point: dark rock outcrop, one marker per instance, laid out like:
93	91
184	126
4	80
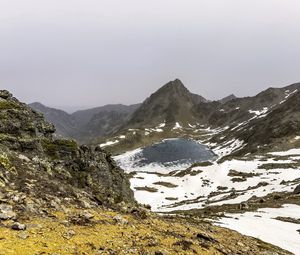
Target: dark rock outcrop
297	190
43	171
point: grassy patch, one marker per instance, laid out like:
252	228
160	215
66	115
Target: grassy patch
6	105
56	147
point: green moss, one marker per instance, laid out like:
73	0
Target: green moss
5	105
56	147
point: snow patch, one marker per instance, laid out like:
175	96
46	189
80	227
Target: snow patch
109	143
286	153
263	225
177	126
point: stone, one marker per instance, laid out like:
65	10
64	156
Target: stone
120	220
6	212
18	226
5	94
23	235
69	234
81	219
7	216
244	206
142	213
297	190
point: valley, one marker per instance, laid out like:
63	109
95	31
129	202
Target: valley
220	162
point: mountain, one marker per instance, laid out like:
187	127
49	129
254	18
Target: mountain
227	99
172	111
170	104
86	124
238	110
83	117
102	121
66	125
278	129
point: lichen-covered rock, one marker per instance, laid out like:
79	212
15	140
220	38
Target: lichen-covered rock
53	172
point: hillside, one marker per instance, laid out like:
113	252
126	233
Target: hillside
276	129
87	124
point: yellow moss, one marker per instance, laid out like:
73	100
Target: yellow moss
89	239
150	235
4	161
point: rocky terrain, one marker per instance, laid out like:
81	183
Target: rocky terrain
38	169
57	197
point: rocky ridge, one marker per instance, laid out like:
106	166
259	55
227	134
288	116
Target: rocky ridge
38	170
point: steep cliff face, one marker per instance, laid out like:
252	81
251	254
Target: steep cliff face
38	170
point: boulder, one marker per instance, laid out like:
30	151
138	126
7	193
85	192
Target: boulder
120	220
18	226
5	94
6	212
297	190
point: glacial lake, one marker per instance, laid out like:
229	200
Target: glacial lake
168	153
180	151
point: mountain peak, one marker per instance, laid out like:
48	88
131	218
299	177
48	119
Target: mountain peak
172	103
227	99
175	83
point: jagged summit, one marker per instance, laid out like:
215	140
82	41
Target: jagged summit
175	84
172	103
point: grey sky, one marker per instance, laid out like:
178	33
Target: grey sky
93	52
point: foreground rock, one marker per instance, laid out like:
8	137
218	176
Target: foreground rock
38	171
18	226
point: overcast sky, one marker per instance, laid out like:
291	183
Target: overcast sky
84	53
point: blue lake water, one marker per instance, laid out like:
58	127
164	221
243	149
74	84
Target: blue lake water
174	151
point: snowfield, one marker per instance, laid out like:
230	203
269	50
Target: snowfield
264	225
235	181
230	182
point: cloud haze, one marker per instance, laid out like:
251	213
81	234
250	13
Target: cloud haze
93	52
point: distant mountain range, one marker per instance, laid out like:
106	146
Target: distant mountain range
173	105
86	124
